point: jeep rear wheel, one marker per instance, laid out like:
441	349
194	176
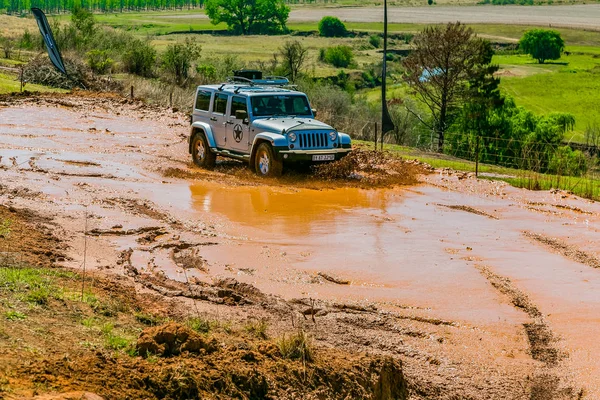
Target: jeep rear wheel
201	153
265	162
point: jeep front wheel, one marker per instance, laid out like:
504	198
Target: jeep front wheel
201	153
265	162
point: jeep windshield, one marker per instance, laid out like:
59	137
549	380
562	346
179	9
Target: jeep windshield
280	105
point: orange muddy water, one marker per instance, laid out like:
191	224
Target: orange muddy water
411	248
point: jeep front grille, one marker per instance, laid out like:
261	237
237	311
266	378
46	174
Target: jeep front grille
313	140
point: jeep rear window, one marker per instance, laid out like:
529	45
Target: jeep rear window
203	100
220	103
280	105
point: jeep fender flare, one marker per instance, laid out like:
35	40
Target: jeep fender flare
345	139
206	129
275	139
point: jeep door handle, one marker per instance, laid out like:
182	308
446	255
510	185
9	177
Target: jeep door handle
213	119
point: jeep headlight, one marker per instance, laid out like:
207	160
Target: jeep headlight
292	136
333	135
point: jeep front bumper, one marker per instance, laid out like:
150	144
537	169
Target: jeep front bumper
307	155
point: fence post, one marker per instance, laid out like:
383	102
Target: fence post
477	157
131	92
376	135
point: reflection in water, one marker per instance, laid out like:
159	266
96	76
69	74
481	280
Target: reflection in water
285	211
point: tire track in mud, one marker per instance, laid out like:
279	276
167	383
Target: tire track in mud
569	251
468	209
546	383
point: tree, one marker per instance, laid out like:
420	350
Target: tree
439	69
178	59
294	55
483	98
249	16
542	44
83	20
332	27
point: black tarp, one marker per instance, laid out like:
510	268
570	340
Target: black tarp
46	31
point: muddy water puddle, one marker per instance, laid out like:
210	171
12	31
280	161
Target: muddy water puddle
419	248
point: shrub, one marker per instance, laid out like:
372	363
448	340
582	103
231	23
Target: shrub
207	73
375	41
99	61
178	59
339	56
26	41
332	27
140	58
567	161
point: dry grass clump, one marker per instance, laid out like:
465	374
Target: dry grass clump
372	168
297	346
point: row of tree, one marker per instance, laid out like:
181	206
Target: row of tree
62	6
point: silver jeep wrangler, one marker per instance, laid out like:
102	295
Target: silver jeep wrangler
261	122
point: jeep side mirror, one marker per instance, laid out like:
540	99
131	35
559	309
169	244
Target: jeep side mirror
314	111
241	114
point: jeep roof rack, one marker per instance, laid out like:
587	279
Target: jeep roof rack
255	77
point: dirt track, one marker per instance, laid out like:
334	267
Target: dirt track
583	16
456	276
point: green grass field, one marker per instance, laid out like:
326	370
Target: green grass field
571	84
9	84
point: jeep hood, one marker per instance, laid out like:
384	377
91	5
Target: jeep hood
279	124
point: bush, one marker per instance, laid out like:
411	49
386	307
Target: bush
332	27
178	59
99	61
338	56
567	161
26	41
207	73
140	58
375	41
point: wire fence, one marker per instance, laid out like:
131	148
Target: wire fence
535	165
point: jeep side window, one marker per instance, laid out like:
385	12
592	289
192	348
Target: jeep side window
238	103
203	100
220	103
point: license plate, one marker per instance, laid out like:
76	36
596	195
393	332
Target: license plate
323	157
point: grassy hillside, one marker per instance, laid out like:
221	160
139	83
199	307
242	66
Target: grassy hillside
571	84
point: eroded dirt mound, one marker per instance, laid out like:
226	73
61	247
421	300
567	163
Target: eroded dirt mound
172	339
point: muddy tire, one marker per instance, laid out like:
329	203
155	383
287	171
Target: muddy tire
201	153
266	163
